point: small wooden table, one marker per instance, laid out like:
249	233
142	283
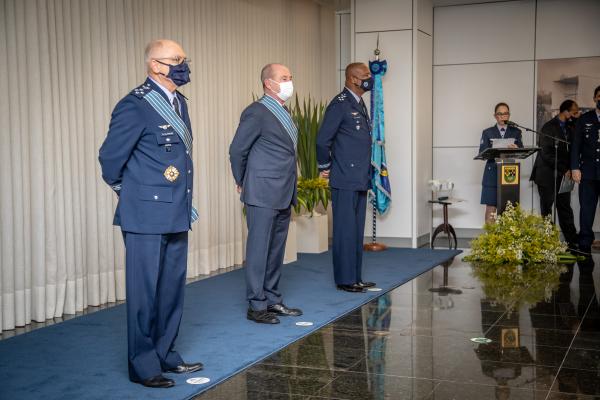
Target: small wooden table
445	226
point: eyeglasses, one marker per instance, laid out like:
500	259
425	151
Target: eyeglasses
176	60
505	114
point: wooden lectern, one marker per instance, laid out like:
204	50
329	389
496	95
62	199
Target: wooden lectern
509	172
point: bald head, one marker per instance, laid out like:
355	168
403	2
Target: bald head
162	49
271	76
273	71
355	73
160	55
355	69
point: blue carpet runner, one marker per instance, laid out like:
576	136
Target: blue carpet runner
86	357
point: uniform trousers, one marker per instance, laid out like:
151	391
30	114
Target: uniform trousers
155	281
349	212
265	249
589	190
564	211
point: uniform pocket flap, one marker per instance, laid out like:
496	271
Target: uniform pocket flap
155	193
167	137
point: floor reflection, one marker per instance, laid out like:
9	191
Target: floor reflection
412	343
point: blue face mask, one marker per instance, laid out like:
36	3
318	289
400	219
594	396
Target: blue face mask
367	84
179	73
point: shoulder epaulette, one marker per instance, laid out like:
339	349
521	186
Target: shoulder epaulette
341	97
141	90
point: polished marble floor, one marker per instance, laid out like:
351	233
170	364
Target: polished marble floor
537	336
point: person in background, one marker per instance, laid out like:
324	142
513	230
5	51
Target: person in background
499	131
543	170
585	170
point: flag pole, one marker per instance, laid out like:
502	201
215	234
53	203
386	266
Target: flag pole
374	245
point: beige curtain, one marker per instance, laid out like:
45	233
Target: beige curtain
64	65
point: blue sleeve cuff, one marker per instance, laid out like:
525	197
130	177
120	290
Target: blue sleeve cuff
324	166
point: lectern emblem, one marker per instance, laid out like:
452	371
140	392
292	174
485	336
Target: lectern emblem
510	175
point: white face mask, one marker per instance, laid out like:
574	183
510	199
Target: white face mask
286	90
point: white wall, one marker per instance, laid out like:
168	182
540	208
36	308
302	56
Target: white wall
397	49
486	53
423	140
407	47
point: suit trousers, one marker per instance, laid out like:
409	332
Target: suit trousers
155	281
589	190
349	212
564	211
265	249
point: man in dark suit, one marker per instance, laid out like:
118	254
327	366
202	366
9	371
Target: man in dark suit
344	148
146	159
585	167
263	162
489	180
543	170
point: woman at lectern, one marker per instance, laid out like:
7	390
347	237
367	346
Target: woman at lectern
498	131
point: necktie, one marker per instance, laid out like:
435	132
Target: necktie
502	132
176	106
364	108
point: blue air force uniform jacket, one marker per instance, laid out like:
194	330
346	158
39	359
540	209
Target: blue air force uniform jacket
140	157
489	174
344	144
585	148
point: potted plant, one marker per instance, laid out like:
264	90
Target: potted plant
313	191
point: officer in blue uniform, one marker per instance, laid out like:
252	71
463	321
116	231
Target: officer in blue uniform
146	158
585	166
344	156
490	179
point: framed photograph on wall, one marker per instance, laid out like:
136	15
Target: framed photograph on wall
562	79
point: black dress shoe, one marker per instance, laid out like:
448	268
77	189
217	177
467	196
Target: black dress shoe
262	317
158	381
281	309
354	288
366	284
185	368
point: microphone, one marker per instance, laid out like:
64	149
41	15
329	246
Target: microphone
512	124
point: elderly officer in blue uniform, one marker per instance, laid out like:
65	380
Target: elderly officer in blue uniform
344	156
263	163
498	131
146	159
585	166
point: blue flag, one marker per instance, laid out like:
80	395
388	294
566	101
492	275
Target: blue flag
381	192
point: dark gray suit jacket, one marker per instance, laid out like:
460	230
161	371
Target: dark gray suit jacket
263	160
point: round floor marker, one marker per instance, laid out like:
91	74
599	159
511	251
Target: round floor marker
374	289
481	340
200	380
304	323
